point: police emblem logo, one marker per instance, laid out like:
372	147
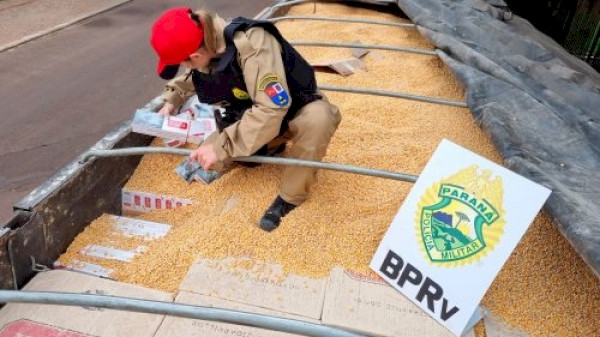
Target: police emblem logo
271	85
240	94
460	219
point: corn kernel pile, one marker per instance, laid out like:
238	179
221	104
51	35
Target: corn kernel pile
544	288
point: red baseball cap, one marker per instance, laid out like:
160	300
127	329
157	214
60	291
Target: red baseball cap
175	36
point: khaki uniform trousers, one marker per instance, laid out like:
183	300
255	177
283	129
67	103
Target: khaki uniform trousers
310	132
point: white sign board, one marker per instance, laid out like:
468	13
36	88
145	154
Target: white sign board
456	228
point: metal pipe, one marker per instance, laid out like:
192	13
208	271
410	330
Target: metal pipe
395	94
175	309
255	159
361	45
328	18
296	2
290	3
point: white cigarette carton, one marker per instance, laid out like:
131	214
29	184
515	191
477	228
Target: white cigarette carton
175	127
196	134
148	230
131	202
192	125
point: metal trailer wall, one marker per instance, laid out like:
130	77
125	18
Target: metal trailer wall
47	220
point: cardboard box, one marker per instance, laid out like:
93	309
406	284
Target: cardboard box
175	127
201	128
136	202
151	123
147	230
369	305
37	320
84	267
146	121
293	294
27	328
343	67
176	326
110	253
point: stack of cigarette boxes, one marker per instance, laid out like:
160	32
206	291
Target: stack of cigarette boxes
136	202
194	122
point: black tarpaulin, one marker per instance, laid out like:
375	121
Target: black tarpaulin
539	104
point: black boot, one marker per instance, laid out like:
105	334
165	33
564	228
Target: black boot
272	217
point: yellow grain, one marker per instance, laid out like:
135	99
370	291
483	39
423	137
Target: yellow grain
544	288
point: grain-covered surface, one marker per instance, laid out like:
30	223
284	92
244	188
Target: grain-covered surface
544	288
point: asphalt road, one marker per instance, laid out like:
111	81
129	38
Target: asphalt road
61	93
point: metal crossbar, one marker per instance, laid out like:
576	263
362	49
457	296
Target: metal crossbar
296	2
395	94
132	151
361	45
175	309
335	19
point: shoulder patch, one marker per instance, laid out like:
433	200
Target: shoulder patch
271	85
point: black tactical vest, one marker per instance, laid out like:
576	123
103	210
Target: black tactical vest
225	83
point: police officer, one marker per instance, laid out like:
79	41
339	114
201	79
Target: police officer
268	92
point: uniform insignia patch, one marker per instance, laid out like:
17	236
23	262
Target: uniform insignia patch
271	85
240	94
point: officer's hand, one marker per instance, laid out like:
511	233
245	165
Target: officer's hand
205	155
167	109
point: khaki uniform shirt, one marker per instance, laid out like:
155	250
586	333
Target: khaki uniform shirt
259	57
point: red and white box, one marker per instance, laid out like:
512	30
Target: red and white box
192	125
136	202
172	143
175	127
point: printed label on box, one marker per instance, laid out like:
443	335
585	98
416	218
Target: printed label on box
292	294
146	229
110	253
177	125
175	326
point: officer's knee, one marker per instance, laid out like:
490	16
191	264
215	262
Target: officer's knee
321	118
